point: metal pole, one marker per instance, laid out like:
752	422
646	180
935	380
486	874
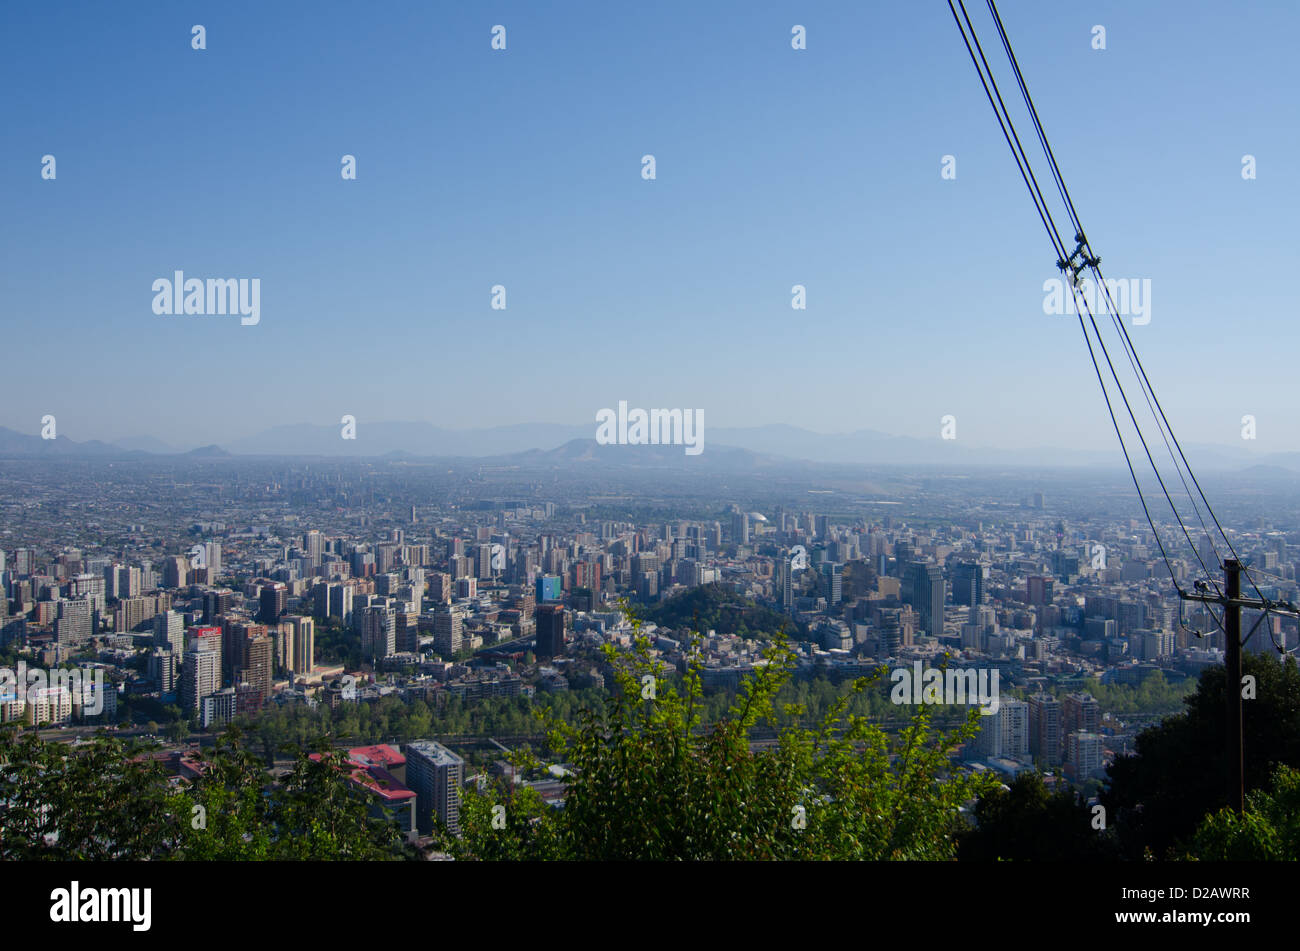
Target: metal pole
1232	686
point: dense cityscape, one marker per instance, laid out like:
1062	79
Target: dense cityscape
443	445
207	592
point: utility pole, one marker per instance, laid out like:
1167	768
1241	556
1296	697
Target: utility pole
1232	603
1232	685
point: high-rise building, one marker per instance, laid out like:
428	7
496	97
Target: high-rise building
313	545
304	645
1038	590
1045	729
284	645
834	573
131	613
256	667
483	561
234	632
435	774
163	670
273	602
363	564
176	572
200	673
1014	721
550	631
1080	712
1083	753
439	585
785	583
75	621
216	604
924	590
379	631
340	597
126	581
447	630
891	631
1006	732
25	561
386	556
218	708
740	528
548	588
169	632
970	583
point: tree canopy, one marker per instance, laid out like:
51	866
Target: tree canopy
648	780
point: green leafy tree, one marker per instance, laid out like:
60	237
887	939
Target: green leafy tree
1158	797
1026	822
1268	830
98	801
650	781
92	801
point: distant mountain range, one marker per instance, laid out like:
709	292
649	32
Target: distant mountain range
559	444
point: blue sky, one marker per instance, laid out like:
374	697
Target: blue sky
522	167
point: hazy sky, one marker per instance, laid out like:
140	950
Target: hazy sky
522	167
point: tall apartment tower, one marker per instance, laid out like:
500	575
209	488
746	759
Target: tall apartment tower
1038	590
201	673
169	632
1083	753
447	630
379	631
216	604
1080	712
162	669
925	591
785	583
550	631
970	583
1045	729
340	602
273	602
1005	733
834	573
212	552
313	545
256	663
435	774
304	645
1014	716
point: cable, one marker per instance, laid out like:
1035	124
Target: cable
1022	162
1129	348
1043	214
1092	261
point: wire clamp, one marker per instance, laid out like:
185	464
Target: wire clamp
1077	260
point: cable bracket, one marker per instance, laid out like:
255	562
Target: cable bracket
1078	260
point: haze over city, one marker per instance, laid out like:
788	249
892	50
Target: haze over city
441	440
